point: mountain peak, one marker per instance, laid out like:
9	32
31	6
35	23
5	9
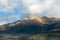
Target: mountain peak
43	20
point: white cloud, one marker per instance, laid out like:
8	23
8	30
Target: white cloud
5	20
8	5
3	23
51	7
37	6
54	10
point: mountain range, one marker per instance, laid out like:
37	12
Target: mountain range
31	25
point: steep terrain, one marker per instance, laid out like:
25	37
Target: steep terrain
32	25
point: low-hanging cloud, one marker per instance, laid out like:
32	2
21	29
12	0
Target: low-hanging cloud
8	19
50	7
37	6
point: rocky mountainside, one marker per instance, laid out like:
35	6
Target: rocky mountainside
33	25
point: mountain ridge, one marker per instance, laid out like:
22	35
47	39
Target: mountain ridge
34	25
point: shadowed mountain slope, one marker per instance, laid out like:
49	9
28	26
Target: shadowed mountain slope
31	26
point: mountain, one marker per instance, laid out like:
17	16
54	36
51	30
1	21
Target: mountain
43	20
32	24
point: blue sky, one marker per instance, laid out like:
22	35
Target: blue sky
13	10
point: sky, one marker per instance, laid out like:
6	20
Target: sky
13	10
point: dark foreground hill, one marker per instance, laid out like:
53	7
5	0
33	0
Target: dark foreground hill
32	26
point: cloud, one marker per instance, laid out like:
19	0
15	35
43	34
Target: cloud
3	23
5	20
50	7
8	5
37	6
54	10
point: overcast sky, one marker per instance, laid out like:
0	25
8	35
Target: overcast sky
13	10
